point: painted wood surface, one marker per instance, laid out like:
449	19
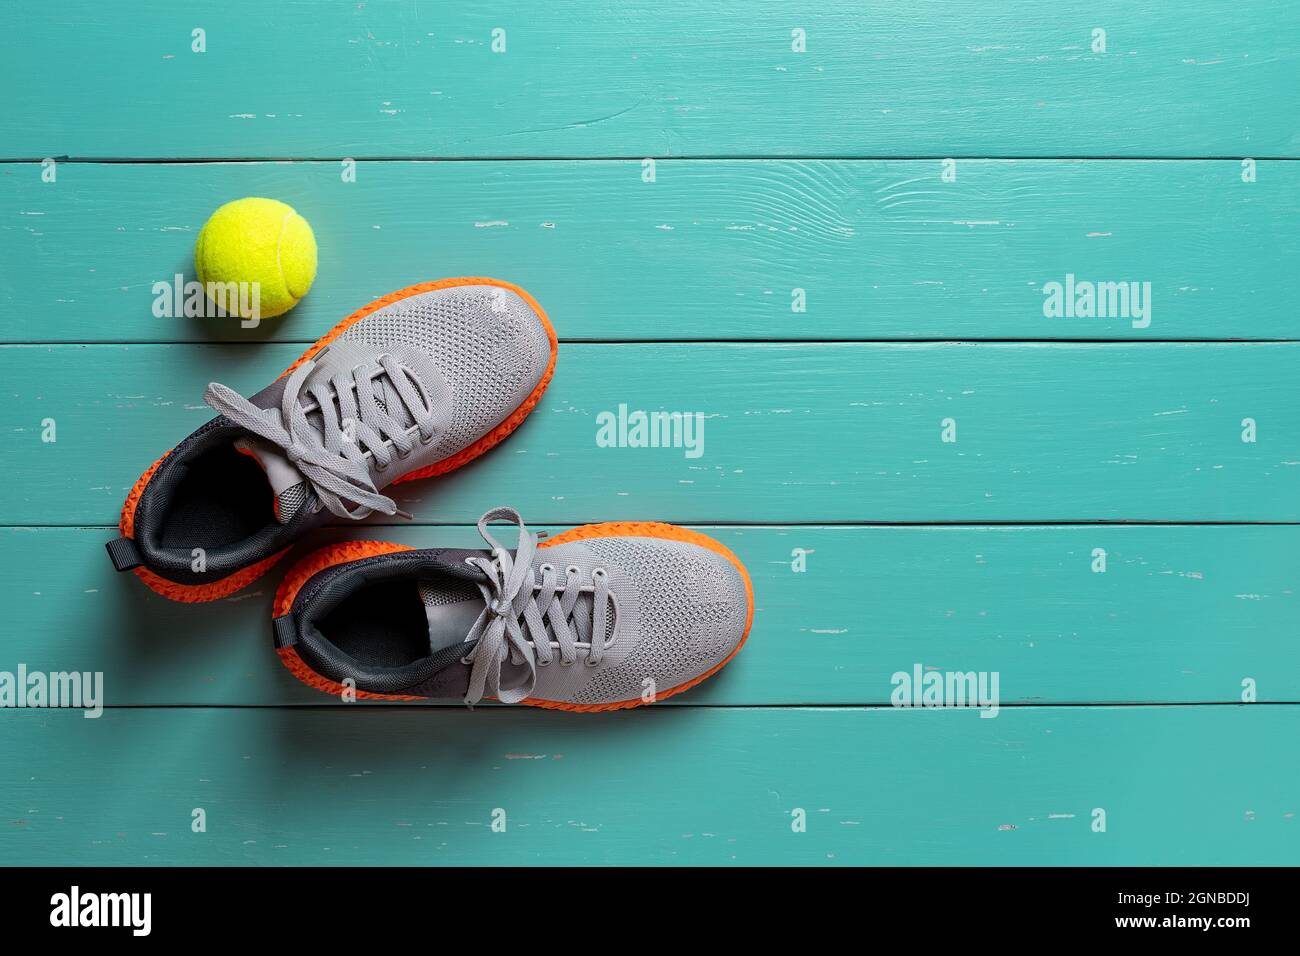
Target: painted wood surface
676	78
710	250
1065	614
790	434
1185	785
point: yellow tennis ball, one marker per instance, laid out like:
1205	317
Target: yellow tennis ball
263	244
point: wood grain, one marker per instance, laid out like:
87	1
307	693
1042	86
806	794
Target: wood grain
603	78
711	250
668	785
791	434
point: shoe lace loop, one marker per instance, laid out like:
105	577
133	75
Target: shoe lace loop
520	604
354	424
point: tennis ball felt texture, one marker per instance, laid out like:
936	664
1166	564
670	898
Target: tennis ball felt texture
262	241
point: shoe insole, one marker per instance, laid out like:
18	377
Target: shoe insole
382	625
222	500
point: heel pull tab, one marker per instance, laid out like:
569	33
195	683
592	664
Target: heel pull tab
285	628
124	554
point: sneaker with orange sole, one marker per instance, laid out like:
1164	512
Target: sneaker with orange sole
413	385
600	617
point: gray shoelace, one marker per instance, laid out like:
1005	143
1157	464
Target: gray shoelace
513	626
332	457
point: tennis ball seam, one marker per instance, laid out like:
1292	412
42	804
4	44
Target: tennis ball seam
279	244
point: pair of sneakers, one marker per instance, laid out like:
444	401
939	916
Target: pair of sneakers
414	385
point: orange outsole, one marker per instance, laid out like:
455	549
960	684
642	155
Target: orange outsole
212	591
346	551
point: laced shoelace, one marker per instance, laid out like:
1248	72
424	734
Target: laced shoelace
520	604
332	457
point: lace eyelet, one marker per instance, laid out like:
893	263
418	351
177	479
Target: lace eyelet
564	663
572	570
466	661
599	573
591	663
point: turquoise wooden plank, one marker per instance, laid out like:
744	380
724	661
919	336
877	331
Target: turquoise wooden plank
780	434
1181	614
596	77
711	250
673	786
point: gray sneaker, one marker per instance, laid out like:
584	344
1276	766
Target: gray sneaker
413	385
600	617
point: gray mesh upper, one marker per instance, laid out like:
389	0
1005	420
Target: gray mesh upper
681	610
444	591
485	340
290	501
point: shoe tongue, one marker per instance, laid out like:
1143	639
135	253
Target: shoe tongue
452	605
288	486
